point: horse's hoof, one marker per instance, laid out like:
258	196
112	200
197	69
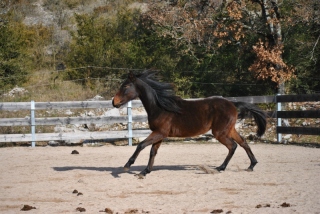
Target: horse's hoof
249	170
140	176
126	169
219	169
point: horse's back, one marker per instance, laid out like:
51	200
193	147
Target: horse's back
210	105
201	115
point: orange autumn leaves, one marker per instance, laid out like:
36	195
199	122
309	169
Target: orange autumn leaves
269	63
232	30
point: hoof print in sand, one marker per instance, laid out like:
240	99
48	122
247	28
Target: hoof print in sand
74	152
131	211
27	208
284	204
260	205
80	209
107	210
217	211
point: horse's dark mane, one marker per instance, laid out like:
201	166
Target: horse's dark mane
163	93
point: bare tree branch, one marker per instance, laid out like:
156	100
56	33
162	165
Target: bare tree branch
312	52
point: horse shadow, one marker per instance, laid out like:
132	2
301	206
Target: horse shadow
117	171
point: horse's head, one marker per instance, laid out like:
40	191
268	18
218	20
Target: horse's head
126	92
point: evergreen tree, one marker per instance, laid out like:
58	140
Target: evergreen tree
13	53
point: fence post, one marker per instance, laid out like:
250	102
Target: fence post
279	122
33	124
129	113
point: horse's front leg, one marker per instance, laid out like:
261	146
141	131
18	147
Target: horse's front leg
153	153
151	139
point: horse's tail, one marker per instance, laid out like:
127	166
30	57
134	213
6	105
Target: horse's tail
259	116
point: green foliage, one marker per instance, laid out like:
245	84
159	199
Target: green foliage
72	3
120	42
13	57
22	49
305	58
302	45
223	73
117	36
53	5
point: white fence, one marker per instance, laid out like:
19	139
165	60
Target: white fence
33	121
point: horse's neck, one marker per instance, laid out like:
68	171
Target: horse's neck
150	104
147	98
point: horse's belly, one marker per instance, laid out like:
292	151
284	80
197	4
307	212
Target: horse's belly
185	132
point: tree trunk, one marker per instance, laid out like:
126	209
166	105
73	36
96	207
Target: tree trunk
271	14
273	20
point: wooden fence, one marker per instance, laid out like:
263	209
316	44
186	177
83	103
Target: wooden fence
34	121
296	114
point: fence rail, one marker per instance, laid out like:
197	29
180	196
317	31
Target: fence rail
70	120
15	106
296	114
63	136
34	121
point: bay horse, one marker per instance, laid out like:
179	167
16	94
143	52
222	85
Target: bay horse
172	116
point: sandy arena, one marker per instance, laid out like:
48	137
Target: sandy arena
286	180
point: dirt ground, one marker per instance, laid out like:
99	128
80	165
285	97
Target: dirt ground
286	180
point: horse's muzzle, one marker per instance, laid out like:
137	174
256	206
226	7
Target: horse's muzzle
117	105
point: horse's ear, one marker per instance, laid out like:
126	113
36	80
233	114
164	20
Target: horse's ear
131	76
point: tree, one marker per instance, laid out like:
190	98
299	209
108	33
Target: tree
13	57
269	62
206	26
116	42
302	35
22	47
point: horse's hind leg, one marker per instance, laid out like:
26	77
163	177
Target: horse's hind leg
242	142
153	153
232	146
